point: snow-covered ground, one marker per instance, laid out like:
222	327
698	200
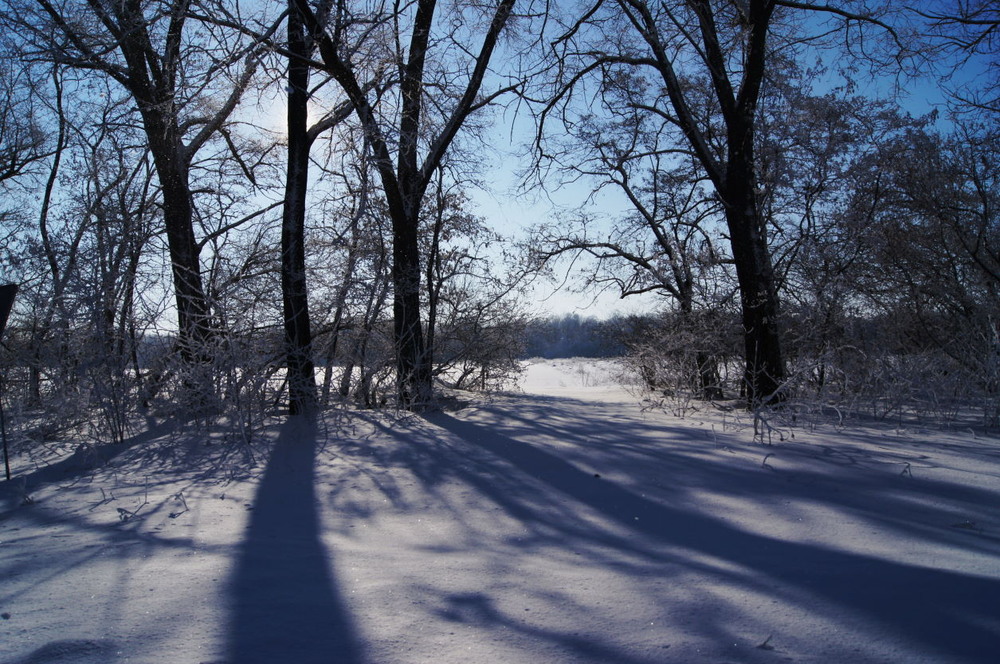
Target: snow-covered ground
558	523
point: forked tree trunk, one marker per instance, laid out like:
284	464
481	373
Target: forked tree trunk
404	178
734	177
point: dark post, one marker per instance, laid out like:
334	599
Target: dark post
7	293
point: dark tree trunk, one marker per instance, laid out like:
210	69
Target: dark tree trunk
705	372
194	324
765	370
193	317
154	88
764	374
142	46
708	376
298	335
413	374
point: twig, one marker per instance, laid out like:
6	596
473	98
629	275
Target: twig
104	499
125	515
180	497
766	645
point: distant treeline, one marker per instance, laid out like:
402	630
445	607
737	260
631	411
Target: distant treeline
573	336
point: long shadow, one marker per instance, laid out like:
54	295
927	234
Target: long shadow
285	603
949	613
886	498
81	463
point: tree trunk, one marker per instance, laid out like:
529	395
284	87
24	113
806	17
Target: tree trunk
413	375
765	370
193	318
298	334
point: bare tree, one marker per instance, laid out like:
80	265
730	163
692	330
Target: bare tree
411	133
22	141
185	92
968	32
81	259
704	64
667	243
943	196
816	152
298	329
349	256
475	332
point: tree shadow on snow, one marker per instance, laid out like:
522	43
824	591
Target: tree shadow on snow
946	612
73	650
85	460
285	602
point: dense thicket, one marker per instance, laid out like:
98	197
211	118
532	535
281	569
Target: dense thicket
219	209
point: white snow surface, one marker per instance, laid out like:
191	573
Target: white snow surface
561	522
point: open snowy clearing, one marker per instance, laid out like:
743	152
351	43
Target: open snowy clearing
561	523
